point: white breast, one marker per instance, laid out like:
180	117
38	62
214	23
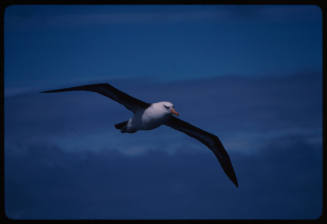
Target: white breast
153	117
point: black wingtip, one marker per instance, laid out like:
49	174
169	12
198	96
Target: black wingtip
84	87
59	90
225	161
53	91
232	177
236	184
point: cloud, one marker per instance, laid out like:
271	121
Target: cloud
47	182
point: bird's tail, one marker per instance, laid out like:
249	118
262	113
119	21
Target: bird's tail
121	126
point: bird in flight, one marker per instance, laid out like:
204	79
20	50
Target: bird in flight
148	116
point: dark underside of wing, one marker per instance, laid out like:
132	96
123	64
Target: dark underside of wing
108	90
210	140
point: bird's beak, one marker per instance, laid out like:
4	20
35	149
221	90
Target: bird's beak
173	111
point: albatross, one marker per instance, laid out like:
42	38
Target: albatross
147	116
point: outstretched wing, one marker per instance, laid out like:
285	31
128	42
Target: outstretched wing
107	90
210	140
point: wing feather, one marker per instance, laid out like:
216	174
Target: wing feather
210	140
131	103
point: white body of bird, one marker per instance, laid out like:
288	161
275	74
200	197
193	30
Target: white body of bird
150	118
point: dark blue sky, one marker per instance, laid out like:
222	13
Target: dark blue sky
56	44
252	75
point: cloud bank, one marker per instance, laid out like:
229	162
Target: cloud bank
283	182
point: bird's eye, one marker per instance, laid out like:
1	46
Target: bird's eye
167	107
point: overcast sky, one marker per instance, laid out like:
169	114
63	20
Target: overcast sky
252	75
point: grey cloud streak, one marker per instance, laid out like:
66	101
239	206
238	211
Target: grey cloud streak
49	183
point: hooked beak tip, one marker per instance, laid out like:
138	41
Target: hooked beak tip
173	111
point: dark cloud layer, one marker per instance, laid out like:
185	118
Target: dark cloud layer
271	127
283	182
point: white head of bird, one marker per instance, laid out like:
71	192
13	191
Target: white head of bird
166	108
